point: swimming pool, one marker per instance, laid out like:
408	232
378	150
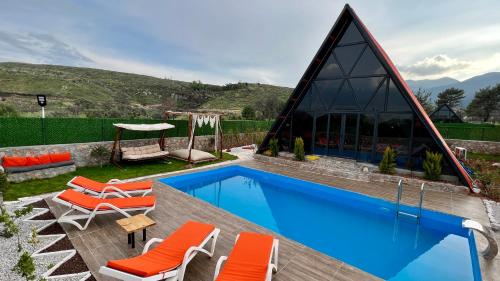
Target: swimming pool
357	229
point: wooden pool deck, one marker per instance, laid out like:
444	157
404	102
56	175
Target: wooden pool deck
104	240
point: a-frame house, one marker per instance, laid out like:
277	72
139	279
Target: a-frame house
352	102
445	114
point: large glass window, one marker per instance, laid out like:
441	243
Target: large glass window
331	70
345	99
327	92
365	88
394	130
348	55
395	100
368	64
351	35
365	140
302	126
321	136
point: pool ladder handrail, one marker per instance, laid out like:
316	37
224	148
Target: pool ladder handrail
420	203
492	249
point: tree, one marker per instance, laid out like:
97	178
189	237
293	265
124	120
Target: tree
451	97
8	111
485	102
248	112
424	97
269	106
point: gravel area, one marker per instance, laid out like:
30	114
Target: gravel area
50	256
493	210
47	261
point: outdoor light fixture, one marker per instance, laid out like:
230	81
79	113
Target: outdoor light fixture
42	101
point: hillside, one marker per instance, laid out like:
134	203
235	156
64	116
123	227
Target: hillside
74	91
470	86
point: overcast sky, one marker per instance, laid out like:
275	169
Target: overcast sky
221	41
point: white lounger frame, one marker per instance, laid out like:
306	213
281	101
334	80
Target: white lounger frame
108	189
90	214
272	266
171	275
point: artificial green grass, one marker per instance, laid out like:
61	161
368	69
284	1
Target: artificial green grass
105	173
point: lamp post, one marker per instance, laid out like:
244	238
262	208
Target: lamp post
42	101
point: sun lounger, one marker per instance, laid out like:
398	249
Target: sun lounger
87	185
254	258
169	259
89	206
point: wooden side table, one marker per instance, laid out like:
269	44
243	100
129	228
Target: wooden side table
133	224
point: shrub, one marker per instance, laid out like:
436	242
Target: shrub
25	266
388	163
4	184
432	165
273	146
100	153
298	149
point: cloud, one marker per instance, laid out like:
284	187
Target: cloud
440	65
39	48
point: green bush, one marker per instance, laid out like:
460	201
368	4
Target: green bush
273	147
432	165
25	266
100	153
388	163
298	149
4	184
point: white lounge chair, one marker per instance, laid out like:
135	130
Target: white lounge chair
254	257
168	261
87	185
89	206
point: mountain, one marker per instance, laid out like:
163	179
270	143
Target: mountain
429	83
76	91
470	86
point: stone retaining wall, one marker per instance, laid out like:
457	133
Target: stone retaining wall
41	174
350	169
80	152
490	147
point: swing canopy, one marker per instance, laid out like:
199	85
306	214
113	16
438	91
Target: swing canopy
145	127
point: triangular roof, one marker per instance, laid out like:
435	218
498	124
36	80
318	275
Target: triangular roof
322	56
434	115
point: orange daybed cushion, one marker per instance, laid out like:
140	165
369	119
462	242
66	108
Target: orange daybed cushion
44	159
89	202
168	254
87	183
249	259
60	157
14	161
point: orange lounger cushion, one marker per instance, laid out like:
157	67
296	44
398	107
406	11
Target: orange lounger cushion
96	186
168	254
249	259
89	202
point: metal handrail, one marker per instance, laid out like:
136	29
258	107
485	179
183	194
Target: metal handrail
421	201
398	201
398	196
492	249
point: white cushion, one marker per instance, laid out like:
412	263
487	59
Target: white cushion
196	155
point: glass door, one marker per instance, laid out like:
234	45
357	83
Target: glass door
321	135
334	141
349	134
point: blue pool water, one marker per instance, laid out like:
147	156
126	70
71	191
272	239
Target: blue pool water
357	229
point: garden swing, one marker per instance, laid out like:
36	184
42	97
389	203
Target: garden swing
139	153
191	155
